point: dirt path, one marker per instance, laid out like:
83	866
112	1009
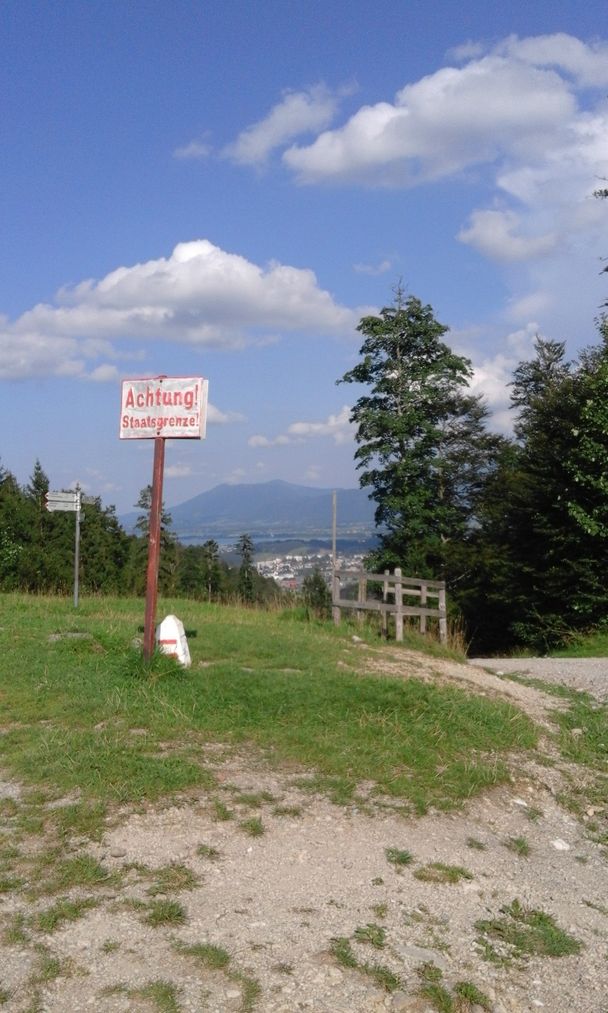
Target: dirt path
269	915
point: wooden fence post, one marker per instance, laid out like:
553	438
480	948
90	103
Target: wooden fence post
361	596
385	602
443	619
398	605
423	604
335	597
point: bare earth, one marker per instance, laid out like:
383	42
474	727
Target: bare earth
319	872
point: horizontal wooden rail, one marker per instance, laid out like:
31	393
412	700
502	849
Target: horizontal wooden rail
397	586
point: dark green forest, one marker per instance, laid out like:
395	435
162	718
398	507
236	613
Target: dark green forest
37	551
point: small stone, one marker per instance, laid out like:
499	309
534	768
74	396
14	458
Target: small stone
560	845
576	732
117	853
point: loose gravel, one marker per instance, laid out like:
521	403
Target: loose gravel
276	903
587	674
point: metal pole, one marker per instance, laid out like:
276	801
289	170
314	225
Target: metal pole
334	514
77	548
154	546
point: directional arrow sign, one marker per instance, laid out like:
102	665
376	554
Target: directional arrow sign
53	504
62	497
63	501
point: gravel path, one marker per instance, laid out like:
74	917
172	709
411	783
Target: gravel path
588	674
320	880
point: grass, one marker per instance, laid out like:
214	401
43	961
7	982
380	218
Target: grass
519	845
438	872
371	933
208	851
522	932
398	856
164	912
253	827
62	911
163	994
172	878
70	706
588	645
342	951
209	956
52	874
216	958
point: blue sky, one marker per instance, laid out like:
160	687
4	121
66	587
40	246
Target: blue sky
224	188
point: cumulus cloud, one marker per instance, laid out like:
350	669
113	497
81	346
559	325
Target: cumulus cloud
200	295
528	115
495	106
298	112
338	427
496	234
493	375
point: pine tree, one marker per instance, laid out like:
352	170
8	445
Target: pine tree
422	446
246	581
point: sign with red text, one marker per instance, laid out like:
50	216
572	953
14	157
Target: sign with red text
174	407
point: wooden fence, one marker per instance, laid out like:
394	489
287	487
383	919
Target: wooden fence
395	588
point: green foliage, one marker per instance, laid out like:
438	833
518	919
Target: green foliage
244	548
422	447
316	594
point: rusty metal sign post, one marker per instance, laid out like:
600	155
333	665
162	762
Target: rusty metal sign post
160	408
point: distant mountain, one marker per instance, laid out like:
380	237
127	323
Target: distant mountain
268	508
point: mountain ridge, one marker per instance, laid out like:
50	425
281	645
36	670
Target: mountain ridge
270	508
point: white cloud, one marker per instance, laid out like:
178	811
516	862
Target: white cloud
178	471
337	427
493	107
297	113
103	374
373	270
196	150
219	418
201	296
493	375
496	234
586	62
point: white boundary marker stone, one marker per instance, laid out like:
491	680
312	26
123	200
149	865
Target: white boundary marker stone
171	640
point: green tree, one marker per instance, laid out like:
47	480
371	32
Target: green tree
423	450
211	570
167	569
247	572
316	594
555	521
12	529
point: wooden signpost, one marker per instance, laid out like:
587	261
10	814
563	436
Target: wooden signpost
160	408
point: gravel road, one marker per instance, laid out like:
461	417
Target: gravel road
588	674
257	923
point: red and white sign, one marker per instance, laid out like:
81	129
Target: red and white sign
171	406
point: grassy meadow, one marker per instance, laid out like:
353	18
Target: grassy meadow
79	711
